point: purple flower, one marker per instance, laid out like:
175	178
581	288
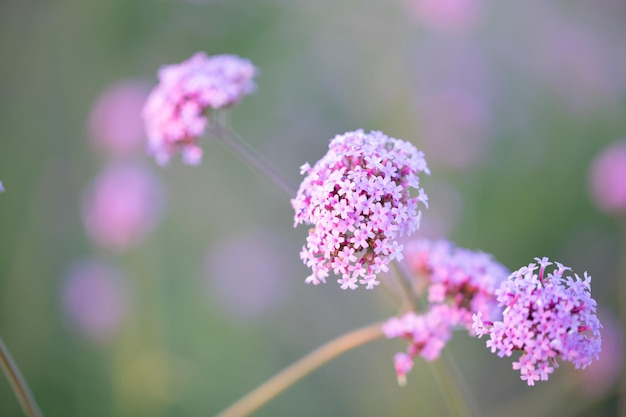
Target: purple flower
96	299
608	179
115	124
122	206
1	187
175	112
458	282
546	315
358	198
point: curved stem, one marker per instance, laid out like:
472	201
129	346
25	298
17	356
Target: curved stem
20	388
252	157
290	375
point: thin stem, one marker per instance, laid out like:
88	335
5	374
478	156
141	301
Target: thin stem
404	277
304	366
20	388
252	157
457	405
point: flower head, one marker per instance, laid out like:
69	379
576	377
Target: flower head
608	179
115	124
122	206
96	297
548	313
174	113
358	198
458	283
1	187
463	279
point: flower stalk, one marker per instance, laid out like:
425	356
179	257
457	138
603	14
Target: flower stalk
307	364
18	383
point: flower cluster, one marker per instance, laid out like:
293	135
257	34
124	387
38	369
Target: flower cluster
459	283
465	280
547	315
174	113
358	197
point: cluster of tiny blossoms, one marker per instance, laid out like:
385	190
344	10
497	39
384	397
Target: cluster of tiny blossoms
358	198
547	315
459	283
174	113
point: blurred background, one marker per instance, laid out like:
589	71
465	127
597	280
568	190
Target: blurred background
127	289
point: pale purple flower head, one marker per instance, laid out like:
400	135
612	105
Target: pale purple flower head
246	275
548	313
358	198
175	112
603	374
608	179
122	206
458	283
115	124
463	279
96	299
447	15
1	187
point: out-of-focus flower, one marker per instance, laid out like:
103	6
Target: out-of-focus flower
175	112
251	261
1	187
454	127
463	279
96	299
447	16
546	316
122	206
607	179
601	375
592	80
115	124
358	198
458	283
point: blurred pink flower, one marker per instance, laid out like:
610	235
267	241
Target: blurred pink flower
459	283
601	375
122	206
96	299
454	127
607	179
581	67
115	124
175	112
446	15
246	274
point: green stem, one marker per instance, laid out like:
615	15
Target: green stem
446	373
290	375
20	388
252	157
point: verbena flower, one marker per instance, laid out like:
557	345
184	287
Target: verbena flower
607	179
463	279
122	206
546	315
175	112
458	283
360	198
